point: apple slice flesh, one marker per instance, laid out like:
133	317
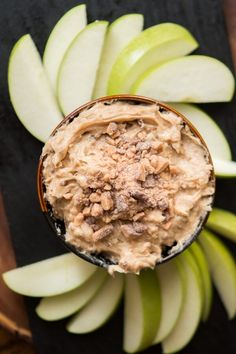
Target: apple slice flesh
191	310
223	222
194	78
119	34
209	130
154	45
100	308
201	261
78	70
224	169
171	279
30	91
60	38
49	277
53	308
223	270
142	310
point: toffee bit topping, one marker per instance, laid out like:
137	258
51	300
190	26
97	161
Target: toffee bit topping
141	172
106	201
96	210
150	182
143	145
121	203
107	187
129	231
79	219
102	233
95	198
90	220
138	216
135	229
157	145
139	195
139	227
87	211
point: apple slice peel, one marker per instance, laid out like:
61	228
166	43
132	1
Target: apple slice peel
119	34
154	45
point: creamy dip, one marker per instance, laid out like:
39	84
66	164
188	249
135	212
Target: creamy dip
129	181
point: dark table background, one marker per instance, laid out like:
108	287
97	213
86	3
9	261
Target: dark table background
19	152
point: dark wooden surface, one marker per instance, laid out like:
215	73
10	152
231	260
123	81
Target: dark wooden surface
11	344
32	239
12	310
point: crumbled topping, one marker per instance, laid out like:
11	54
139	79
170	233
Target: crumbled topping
103	232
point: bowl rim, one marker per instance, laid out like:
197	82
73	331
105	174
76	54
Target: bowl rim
120	97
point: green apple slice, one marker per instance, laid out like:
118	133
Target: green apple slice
100	308
142	310
119	34
194	78
191	310
30	91
223	222
224	169
154	45
53	308
209	130
172	282
223	270
201	261
60	38
78	70
49	277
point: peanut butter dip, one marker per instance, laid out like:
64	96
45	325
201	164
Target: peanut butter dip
129	181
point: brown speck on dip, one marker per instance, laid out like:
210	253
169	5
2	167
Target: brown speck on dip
129	181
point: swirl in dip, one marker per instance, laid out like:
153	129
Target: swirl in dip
130	181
